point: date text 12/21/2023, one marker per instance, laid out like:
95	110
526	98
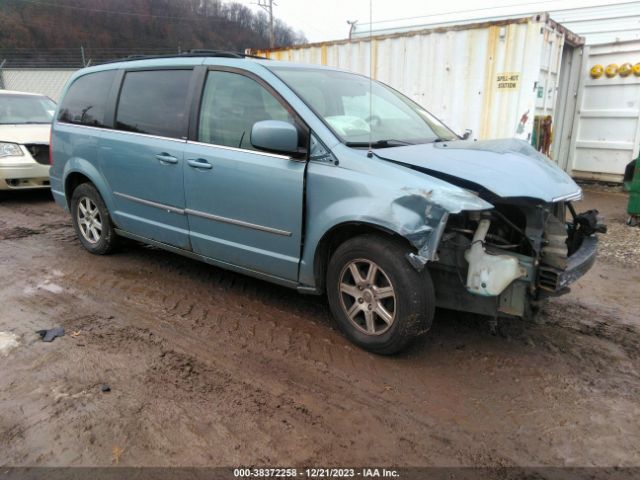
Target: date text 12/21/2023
315	473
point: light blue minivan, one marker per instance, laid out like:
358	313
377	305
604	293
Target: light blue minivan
320	180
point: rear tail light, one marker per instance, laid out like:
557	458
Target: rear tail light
50	146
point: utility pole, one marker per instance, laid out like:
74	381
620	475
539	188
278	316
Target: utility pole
1	79
352	26
267	6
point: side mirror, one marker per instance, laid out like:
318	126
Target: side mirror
467	134
275	136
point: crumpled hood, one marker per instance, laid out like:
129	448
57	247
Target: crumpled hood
34	133
508	168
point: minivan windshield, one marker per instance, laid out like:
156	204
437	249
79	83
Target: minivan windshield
359	111
26	109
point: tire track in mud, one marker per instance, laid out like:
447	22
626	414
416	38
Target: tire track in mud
281	344
177	378
20	220
173	376
231	309
207	296
593	322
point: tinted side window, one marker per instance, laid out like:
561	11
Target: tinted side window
231	104
154	102
86	99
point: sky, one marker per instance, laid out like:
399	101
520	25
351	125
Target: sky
323	20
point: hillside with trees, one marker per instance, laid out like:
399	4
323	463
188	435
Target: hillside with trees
37	28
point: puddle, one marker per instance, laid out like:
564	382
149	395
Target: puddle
58	394
51	287
8	341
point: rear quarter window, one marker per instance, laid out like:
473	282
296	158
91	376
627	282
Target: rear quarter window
154	102
86	100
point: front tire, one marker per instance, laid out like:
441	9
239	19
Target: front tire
380	301
91	220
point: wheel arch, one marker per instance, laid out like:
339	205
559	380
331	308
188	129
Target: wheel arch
71	182
78	171
338	234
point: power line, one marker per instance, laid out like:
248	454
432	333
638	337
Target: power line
306	25
267	6
464	11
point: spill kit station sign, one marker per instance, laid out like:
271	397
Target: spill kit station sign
508	80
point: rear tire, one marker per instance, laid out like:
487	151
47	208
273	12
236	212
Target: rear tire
91	220
380	301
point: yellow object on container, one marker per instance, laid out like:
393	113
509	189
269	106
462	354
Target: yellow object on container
611	70
636	69
597	71
625	69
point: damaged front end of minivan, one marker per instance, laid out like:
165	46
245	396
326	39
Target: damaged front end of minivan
503	261
504	258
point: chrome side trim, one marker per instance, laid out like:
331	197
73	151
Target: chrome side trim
240	223
146	135
179	140
115	130
208	216
236	149
149	203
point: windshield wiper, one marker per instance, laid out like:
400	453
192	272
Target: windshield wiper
379	143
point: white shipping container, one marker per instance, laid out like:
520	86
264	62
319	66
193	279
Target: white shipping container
607	120
490	77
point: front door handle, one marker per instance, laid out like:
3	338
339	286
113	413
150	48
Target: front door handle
166	158
199	163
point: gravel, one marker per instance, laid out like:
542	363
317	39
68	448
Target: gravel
621	244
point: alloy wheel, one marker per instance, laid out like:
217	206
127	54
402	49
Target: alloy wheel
367	296
89	220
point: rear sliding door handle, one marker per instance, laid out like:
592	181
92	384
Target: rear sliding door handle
199	163
166	158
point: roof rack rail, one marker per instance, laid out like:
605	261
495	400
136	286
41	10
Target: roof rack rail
213	53
196	52
222	53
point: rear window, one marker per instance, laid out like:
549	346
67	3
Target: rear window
154	102
86	99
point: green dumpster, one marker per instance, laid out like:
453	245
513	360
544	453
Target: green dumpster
632	185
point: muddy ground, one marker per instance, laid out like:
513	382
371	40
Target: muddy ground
208	367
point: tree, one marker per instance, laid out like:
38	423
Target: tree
132	26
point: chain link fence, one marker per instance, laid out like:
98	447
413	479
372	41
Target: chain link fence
46	81
72	57
46	71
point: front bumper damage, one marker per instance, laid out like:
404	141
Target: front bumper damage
474	273
580	262
582	245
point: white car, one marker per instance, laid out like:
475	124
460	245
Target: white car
25	125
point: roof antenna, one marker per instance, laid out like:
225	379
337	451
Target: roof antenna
370	152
